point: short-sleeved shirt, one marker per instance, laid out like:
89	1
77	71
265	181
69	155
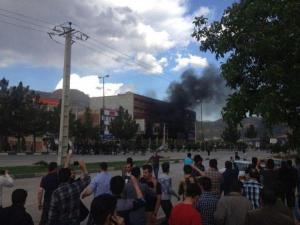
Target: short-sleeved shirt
188	161
155	160
184	214
49	183
137	216
151	200
100	184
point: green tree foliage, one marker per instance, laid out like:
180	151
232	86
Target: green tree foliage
251	132
123	126
231	134
4	114
260	44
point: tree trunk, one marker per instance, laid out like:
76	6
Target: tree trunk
34	143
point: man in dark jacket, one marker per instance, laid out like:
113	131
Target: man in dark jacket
16	214
229	176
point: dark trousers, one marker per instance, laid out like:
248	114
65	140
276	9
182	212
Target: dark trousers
288	196
167	207
44	216
156	169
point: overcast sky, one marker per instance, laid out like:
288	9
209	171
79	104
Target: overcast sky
142	44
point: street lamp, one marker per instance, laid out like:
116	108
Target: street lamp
103	100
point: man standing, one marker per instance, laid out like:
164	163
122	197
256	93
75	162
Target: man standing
65	201
232	209
207	202
48	184
185	213
100	184
152	202
229	175
214	175
268	214
252	188
16	214
5	181
155	163
166	186
188	159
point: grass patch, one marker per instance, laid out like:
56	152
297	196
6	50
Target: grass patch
40	169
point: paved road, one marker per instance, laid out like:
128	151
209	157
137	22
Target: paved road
31	184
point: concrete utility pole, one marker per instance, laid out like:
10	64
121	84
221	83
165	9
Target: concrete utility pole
70	34
103	101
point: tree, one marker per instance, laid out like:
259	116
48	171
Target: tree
22	102
123	127
231	134
4	114
251	132
260	42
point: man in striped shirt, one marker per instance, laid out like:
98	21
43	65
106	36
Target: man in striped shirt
252	188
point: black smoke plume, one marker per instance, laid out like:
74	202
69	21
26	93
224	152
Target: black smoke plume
208	88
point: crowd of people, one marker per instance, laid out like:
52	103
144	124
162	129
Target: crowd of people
266	195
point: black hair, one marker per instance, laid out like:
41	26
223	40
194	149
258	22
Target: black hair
270	164
205	183
268	196
254	161
52	166
102	206
192	190
64	175
136	172
117	184
289	163
213	163
165	167
18	197
103	166
129	160
187	169
228	165
197	159
235	186
148	167
189	155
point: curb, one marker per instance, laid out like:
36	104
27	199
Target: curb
33	175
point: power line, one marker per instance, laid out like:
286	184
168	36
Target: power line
96	48
29	17
24	21
23	27
95	45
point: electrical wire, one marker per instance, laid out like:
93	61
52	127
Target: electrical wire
25	16
24	27
95	45
24	21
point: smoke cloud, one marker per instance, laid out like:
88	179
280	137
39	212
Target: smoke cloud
208	88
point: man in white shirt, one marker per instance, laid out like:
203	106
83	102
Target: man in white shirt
5	181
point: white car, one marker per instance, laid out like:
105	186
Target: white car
241	165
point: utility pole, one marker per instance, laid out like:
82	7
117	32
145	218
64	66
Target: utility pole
103	102
70	34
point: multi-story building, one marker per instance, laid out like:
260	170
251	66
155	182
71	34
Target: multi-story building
152	115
